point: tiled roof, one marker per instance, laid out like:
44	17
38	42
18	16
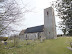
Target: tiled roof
35	29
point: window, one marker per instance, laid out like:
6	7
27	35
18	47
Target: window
47	13
49	32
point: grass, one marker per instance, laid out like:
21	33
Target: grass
52	46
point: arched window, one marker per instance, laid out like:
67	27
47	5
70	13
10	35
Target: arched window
49	32
47	13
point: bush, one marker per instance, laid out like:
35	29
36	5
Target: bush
3	38
59	35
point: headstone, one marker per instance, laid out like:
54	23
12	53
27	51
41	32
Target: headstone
2	41
11	41
41	40
49	23
71	44
5	43
69	48
33	39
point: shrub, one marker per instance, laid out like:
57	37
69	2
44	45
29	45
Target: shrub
3	38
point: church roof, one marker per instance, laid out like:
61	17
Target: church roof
35	29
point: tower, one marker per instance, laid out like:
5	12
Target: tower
49	23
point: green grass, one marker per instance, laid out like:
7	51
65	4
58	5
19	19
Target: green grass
52	46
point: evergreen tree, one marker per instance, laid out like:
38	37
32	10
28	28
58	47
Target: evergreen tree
64	9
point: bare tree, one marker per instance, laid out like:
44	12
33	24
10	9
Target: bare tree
1	0
10	13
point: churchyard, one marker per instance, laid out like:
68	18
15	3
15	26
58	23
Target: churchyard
50	46
41	39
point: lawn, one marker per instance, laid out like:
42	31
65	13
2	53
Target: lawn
52	46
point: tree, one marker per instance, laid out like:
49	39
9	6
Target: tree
1	0
10	13
64	9
64	31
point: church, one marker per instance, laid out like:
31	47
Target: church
46	31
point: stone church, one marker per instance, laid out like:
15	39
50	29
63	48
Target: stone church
47	31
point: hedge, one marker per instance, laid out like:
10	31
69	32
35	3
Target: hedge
3	38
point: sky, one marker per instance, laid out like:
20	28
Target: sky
36	16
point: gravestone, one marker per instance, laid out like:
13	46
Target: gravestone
49	23
69	48
2	41
5	43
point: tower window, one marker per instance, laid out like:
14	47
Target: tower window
49	32
47	13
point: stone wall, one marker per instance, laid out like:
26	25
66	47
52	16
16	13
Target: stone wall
31	36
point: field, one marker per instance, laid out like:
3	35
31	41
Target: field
52	46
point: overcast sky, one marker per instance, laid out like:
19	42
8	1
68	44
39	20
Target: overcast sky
36	17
